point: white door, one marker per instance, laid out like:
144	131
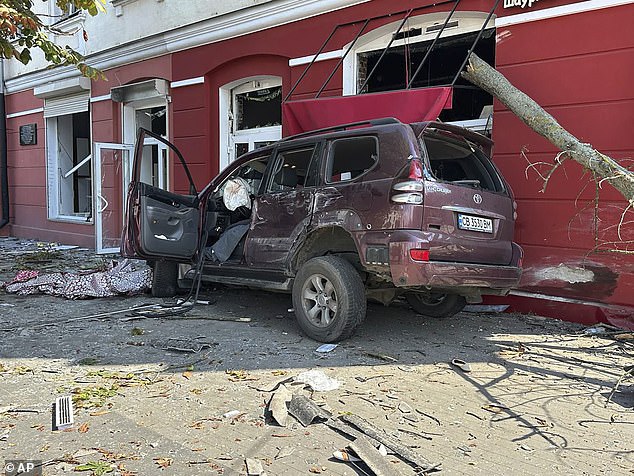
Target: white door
112	170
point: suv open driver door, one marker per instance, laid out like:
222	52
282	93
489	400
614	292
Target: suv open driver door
159	224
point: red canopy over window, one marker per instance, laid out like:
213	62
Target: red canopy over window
409	105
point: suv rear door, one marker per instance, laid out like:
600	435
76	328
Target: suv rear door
468	207
159	224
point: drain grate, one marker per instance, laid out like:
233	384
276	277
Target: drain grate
63	413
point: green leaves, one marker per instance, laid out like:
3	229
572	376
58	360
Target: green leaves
98	468
22	30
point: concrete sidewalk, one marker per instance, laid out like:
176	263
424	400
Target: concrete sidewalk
535	400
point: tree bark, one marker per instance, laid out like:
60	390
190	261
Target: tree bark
534	116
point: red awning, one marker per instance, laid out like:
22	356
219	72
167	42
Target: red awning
410	105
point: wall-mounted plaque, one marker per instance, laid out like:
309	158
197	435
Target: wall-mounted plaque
28	134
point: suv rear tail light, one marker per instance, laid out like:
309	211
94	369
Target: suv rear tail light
413	187
409	186
413	198
419	255
415	169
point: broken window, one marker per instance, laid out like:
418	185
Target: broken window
155	170
350	158
259	108
453	159
254	110
292	169
69	165
397	67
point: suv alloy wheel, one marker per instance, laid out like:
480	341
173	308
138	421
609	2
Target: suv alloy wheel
329	298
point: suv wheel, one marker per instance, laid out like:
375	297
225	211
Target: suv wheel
165	279
436	304
329	298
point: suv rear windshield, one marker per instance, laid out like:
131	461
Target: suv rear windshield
453	159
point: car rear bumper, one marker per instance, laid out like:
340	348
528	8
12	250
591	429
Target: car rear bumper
451	275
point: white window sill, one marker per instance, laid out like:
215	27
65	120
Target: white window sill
72	219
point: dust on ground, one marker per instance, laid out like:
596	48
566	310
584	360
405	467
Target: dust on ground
188	394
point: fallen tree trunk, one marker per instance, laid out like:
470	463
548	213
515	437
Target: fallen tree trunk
532	114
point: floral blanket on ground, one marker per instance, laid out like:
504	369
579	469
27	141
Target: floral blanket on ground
122	278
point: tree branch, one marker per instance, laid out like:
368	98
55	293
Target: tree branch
532	114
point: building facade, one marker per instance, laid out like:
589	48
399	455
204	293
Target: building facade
213	76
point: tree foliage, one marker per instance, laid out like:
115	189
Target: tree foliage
22	30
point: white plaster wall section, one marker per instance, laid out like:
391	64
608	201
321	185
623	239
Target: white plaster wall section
565	273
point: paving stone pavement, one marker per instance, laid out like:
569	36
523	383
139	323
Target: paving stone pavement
534	402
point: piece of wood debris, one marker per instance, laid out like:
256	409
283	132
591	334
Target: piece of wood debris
391	443
384	357
371	457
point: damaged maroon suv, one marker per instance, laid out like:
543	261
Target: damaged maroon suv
373	210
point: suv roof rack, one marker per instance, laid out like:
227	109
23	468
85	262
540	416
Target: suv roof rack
342	127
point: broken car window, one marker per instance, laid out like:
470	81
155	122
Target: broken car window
457	161
291	170
351	157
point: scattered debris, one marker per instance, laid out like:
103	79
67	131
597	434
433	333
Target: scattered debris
628	371
343	455
391	443
306	410
491	308
254	467
63	417
163	462
182	345
512	352
404	408
461	364
365	379
419	435
278	405
93	397
239	376
325	348
494	408
318	381
98	468
232	414
372	458
384	357
284	451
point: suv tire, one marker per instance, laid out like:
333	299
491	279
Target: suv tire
436	305
329	299
165	279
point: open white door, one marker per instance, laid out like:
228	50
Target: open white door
113	169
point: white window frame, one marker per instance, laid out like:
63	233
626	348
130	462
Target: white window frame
55	174
227	135
379	38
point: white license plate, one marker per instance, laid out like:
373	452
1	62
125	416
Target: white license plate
471	223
